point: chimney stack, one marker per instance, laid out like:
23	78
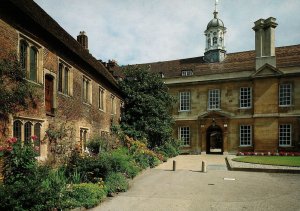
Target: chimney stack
83	40
265	41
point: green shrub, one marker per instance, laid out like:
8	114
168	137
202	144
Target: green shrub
169	149
116	182
119	161
84	195
96	144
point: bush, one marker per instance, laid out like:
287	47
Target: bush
119	161
96	144
169	149
84	195
116	182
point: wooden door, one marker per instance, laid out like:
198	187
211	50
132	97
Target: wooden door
48	93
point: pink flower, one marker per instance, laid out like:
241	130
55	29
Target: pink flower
9	148
34	137
1	148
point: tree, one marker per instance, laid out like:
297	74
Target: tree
146	113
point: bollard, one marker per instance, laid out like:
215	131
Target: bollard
204	167
174	165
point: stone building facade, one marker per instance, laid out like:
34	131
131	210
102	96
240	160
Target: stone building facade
74	89
244	101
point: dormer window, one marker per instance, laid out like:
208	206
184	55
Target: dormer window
186	72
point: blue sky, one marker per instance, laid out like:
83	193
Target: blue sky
140	31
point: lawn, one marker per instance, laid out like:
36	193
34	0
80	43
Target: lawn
271	160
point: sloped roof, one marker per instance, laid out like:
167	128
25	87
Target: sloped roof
29	10
234	62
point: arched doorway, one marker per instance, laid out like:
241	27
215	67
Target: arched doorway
214	140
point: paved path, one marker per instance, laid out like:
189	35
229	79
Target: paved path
160	189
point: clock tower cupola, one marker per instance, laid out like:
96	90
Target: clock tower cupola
215	50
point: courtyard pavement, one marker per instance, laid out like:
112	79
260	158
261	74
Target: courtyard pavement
161	189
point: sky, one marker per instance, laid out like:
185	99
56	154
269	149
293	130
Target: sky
141	31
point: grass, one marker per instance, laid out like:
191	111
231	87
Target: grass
271	160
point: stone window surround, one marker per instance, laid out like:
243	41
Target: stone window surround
70	78
214	99
184	101
184	132
113	104
282	90
245	132
285	132
87	90
82	139
31	43
248	101
101	98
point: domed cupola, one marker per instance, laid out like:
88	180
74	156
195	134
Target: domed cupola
215	50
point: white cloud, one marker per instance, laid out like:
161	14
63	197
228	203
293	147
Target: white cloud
138	31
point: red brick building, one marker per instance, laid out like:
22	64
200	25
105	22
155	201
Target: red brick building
75	90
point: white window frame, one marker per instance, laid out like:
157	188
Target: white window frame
184	134
285	94
285	135
214	99
185	101
245	97
186	72
245	135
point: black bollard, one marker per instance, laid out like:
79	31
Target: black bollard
174	165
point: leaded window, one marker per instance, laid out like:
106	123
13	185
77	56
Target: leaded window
285	135
285	94
184	135
245	135
27	132
185	101
33	64
214	99
245	97
17	130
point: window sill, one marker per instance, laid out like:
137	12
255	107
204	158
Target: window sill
245	146
102	110
63	94
245	108
214	109
285	106
286	146
182	111
88	104
33	82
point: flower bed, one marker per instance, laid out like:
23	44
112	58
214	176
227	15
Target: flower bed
282	153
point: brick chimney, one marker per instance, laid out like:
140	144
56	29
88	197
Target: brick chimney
265	41
83	39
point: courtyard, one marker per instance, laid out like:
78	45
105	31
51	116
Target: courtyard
219	189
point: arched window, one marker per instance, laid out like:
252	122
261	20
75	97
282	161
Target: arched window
215	40
27	132
37	133
33	64
221	40
66	81
60	75
208	42
23	54
17	130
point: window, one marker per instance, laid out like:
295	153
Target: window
186	72
184	135
87	89
245	135
64	78
215	40
101	98
245	97
27	132
83	138
214	99
285	94
17	130
29	58
113	105
185	101
37	133
23	54
285	135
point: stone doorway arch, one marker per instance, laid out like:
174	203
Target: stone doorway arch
214	140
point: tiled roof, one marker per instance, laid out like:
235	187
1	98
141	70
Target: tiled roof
234	62
29	10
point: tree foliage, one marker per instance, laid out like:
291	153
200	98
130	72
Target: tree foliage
147	106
